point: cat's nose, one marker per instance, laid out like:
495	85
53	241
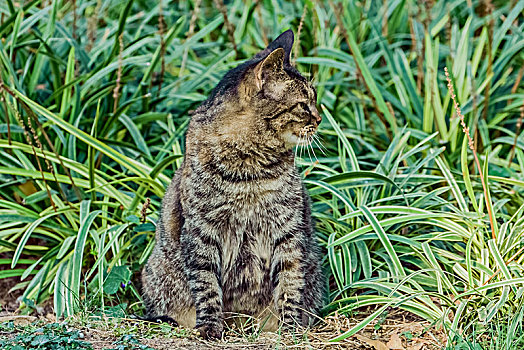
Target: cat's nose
316	118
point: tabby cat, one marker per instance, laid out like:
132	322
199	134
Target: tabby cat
235	233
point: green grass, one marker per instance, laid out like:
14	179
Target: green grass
95	106
82	332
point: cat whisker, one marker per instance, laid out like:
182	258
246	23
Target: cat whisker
297	148
319	144
322	147
301	144
310	144
295	154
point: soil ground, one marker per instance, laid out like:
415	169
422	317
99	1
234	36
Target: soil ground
394	331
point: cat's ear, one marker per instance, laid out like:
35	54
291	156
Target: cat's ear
285	41
274	62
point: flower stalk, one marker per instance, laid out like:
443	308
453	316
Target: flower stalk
471	145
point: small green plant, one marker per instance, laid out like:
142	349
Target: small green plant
381	319
408	335
129	342
52	336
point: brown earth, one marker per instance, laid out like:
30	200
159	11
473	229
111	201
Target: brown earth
398	331
394	330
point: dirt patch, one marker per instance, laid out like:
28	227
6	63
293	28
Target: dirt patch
396	330
186	344
8	297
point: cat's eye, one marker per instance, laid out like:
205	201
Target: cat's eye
305	107
302	105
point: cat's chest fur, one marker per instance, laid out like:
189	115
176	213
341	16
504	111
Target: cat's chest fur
249	230
250	218
247	246
247	217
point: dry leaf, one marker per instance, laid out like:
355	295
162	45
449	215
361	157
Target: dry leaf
395	343
378	345
414	328
417	344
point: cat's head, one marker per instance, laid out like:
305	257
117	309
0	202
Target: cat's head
268	97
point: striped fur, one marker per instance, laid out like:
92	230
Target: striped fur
235	233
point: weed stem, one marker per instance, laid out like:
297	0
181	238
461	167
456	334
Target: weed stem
471	145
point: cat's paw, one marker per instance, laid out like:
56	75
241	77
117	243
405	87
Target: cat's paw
211	330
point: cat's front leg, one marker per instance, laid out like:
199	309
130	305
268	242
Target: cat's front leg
201	252
287	276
